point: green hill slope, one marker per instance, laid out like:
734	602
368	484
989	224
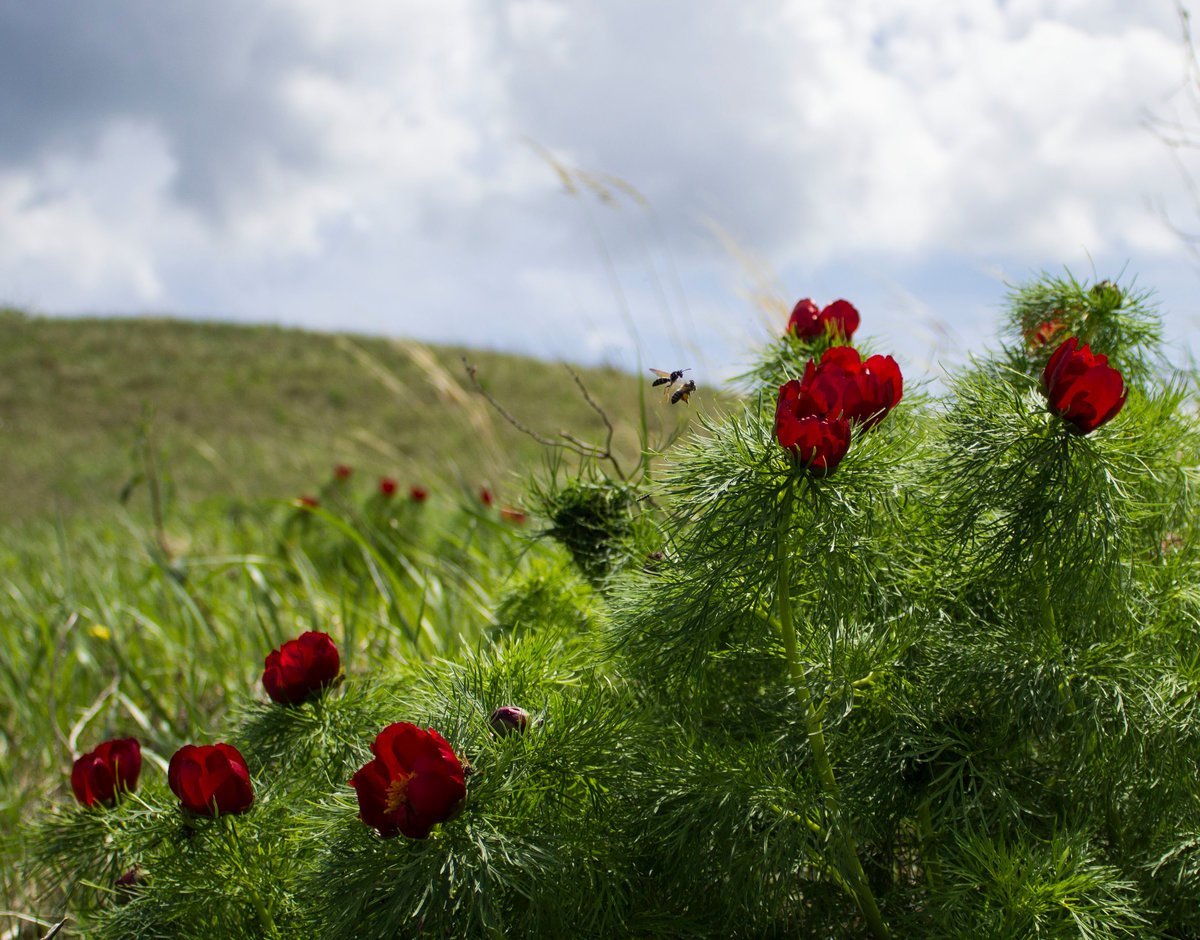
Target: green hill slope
254	412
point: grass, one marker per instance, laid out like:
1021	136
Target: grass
114	622
252	412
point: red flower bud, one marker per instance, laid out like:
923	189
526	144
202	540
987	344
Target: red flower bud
306	503
808	322
805	320
387	487
485	496
844	317
301	668
1082	388
509	718
210	779
414	782
105	771
514	515
418	494
1040	335
343	472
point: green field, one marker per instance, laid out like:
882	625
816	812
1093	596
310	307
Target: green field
151	551
250	412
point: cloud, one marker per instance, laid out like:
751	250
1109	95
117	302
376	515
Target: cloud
366	165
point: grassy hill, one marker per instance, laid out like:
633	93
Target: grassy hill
254	412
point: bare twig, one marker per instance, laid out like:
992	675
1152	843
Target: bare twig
587	396
568	441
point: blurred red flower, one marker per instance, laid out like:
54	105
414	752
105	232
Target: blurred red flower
387	487
485	496
808	322
417	493
514	515
301	668
1081	387
210	779
308	502
108	769
414	782
1041	334
343	471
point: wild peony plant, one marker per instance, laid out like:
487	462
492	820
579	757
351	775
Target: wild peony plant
856	663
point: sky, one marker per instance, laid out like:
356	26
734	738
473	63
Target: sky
598	180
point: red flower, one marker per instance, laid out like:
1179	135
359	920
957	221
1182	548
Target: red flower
418	494
843	385
819	443
808	322
805	320
210	779
485	496
514	515
414	782
1082	388
1040	335
306	503
111	767
387	487
300	668
343	472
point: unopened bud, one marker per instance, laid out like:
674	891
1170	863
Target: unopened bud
509	718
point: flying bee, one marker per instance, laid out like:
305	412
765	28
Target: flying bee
685	391
667	378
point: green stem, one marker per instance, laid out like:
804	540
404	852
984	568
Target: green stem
234	840
933	873
851	866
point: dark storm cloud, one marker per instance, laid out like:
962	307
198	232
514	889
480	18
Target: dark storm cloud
206	75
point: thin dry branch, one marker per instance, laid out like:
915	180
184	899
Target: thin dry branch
566	441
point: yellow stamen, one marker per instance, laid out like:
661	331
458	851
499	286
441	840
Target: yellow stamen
397	792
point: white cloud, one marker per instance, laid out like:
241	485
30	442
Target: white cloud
377	175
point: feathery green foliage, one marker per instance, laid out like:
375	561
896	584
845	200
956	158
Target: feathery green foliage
949	689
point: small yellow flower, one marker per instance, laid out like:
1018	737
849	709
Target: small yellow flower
100	632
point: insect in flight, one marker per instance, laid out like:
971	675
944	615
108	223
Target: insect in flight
685	391
667	378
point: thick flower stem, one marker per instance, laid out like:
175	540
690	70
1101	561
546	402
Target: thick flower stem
850	867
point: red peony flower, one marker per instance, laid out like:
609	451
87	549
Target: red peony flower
808	322
819	443
414	782
210	779
805	320
387	487
301	668
485	496
843	385
107	770
844	317
418	494
343	472
1082	388
514	515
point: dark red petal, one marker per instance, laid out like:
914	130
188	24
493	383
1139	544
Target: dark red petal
843	315
805	320
1055	363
